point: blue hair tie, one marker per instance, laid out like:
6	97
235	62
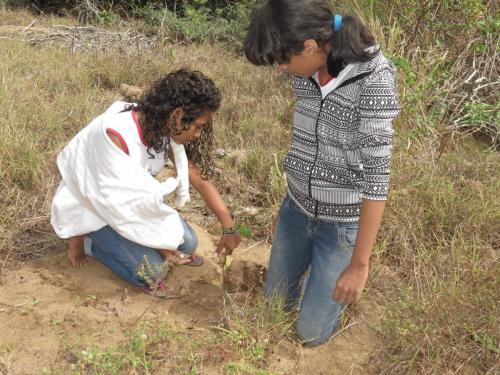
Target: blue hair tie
337	22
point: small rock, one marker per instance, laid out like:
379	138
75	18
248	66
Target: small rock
252	211
220	152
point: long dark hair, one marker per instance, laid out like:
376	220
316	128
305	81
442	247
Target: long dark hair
279	28
195	94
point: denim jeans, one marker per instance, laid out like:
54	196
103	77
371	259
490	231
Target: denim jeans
302	244
126	258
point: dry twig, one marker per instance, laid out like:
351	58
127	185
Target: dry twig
81	38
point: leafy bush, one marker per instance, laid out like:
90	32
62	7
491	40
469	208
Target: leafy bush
190	20
198	22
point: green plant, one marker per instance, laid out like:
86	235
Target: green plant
200	22
244	230
152	273
256	326
133	354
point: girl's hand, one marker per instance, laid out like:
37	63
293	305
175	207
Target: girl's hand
350	284
227	244
175	257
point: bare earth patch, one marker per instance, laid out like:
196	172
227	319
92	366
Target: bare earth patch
50	311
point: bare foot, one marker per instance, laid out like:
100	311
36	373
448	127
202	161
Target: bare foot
76	255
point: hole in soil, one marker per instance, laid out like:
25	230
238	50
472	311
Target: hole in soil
244	276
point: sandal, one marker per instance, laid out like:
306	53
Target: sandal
196	261
161	290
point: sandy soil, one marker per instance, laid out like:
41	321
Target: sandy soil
48	307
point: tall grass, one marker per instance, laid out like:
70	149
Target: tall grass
440	232
440	236
48	94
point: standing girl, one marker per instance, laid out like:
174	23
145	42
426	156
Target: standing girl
109	204
337	167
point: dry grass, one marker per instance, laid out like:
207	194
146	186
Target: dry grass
440	234
49	93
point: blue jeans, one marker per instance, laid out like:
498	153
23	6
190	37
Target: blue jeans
302	244
127	258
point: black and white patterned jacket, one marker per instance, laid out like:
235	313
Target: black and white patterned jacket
341	144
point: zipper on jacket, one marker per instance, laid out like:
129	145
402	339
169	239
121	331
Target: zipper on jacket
315	158
321	103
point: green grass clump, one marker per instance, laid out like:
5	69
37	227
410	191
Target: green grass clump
243	344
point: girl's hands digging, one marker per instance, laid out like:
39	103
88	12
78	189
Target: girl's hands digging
227	244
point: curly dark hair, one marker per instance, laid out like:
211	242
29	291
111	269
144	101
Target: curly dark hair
195	94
